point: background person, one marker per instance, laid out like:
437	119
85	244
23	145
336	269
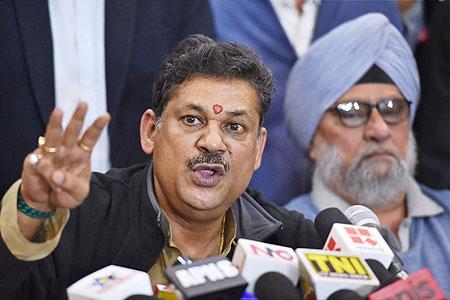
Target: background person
281	31
351	103
56	53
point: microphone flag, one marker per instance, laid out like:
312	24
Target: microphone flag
418	286
367	242
325	272
255	258
208	278
111	283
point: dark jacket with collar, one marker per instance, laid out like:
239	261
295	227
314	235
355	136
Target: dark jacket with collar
117	224
138	35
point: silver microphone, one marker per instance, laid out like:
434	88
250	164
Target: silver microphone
363	216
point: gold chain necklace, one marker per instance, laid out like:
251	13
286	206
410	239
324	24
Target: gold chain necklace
222	235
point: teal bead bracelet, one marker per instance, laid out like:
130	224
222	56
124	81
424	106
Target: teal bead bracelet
31	212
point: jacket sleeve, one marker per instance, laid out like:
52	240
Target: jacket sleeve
19	257
43	270
17	244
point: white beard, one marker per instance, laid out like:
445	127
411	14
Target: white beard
360	182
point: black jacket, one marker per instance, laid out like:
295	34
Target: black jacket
117	224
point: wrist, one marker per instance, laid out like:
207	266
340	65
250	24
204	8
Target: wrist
33	209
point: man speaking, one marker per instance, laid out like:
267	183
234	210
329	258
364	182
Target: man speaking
206	138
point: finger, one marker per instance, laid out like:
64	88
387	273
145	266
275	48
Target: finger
31	161
72	190
92	134
75	125
64	200
62	181
46	168
53	132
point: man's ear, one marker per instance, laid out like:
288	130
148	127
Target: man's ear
261	143
148	130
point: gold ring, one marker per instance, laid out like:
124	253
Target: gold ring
84	147
48	149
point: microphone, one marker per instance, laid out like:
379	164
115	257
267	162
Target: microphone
384	276
419	285
325	220
209	278
345	295
141	297
366	242
326	272
255	258
363	216
276	286
112	283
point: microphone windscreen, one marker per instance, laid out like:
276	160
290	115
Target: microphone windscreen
276	286
362	216
384	276
325	220
345	295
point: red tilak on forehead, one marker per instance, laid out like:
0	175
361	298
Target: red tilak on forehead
217	108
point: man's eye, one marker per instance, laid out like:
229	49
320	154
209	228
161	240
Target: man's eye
235	127
191	120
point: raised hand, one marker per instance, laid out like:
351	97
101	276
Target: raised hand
57	173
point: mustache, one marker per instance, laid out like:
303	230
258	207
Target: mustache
209	158
373	148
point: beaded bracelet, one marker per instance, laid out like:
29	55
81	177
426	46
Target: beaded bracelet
31	212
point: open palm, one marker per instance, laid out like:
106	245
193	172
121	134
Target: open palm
58	172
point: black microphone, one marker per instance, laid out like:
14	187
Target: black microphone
363	216
325	220
345	295
384	276
141	297
276	286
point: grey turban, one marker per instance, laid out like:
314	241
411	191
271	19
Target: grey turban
335	62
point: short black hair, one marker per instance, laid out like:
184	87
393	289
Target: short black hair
198	55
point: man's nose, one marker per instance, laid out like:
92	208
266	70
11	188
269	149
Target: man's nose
376	129
212	139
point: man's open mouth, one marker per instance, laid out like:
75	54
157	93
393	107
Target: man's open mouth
208	175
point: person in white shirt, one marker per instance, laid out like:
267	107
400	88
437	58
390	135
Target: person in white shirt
106	53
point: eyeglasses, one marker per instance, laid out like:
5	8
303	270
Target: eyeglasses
356	113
